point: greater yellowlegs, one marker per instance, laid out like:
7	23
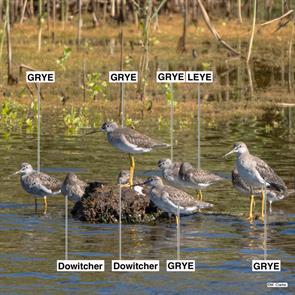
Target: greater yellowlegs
272	195
256	173
38	184
73	187
197	179
170	171
130	141
169	199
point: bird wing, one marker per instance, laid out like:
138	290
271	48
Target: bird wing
180	198
77	189
50	184
139	139
184	170
268	174
202	176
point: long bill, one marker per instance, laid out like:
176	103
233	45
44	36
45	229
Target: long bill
231	152
15	173
95	131
141	183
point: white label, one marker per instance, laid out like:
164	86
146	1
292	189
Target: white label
170	76
136	265
40	76
80	265
199	77
277	285
123	77
180	265
266	265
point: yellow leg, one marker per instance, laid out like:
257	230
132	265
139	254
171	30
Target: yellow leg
45	205
197	194
252	202
201	195
262	204
36	204
177	220
132	167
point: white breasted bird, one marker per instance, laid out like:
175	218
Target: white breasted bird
256	174
38	184
131	142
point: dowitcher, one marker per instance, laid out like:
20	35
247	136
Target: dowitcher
197	179
38	184
130	141
124	180
73	187
169	199
256	173
272	195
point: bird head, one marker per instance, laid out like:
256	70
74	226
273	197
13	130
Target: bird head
239	148
71	177
154	181
123	177
108	127
25	169
164	164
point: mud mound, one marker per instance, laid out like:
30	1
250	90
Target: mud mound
100	204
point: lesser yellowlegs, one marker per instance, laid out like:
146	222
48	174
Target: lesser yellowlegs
73	188
197	179
169	199
130	141
272	195
38	184
256	173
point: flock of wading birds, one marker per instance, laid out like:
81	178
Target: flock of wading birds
251	177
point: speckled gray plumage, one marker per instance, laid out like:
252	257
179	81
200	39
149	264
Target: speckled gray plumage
167	198
40	184
272	195
171	174
197	177
121	137
73	187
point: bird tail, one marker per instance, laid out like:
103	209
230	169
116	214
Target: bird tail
277	187
205	205
161	145
291	192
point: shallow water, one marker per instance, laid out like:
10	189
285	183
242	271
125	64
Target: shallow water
223	244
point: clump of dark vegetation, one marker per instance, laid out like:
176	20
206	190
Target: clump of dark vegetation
100	204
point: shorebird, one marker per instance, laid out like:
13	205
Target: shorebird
256	174
38	184
170	171
73	188
169	199
124	180
130	141
272	195
197	179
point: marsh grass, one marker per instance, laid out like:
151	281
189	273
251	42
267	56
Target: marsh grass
100	48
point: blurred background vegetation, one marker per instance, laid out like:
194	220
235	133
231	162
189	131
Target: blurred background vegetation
248	44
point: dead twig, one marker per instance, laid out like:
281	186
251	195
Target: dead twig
277	19
213	30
